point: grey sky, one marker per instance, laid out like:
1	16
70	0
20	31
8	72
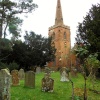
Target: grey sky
44	16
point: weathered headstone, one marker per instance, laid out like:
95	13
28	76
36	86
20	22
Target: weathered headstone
21	74
64	74
38	70
47	83
30	79
15	77
5	83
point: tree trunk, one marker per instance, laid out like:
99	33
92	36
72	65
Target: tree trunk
85	91
0	31
72	89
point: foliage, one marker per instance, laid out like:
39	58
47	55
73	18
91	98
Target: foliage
35	51
89	30
81	53
9	10
14	27
41	48
92	61
5	49
92	64
3	65
13	66
10	66
5	44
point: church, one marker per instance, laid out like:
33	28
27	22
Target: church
60	34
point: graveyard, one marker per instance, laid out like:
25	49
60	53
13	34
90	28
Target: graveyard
36	67
62	90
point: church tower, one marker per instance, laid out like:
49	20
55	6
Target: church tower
60	34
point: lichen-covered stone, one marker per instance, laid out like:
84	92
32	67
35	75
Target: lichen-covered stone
15	77
5	83
47	83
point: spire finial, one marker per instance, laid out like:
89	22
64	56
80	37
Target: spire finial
59	17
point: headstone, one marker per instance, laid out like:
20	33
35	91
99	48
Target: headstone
5	82
64	74
21	74
38	70
47	83
15	77
30	79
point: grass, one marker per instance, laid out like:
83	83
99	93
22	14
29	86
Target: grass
62	90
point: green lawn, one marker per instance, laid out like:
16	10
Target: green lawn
62	90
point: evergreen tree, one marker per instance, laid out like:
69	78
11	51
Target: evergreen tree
89	30
9	9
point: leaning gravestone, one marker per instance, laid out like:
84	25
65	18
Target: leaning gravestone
5	82
64	74
15	77
38	70
47	83
21	74
30	79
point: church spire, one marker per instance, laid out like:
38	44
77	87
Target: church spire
59	17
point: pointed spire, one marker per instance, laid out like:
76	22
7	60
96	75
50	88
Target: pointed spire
59	17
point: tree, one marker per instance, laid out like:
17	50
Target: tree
9	9
41	48
89	30
34	51
5	49
92	64
81	53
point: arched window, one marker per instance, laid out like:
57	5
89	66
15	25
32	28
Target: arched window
64	35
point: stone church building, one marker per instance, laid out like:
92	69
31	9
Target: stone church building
60	34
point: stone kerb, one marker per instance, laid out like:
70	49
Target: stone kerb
5	83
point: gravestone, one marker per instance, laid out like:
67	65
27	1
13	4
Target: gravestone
5	82
30	79
64	74
47	83
15	77
38	70
21	74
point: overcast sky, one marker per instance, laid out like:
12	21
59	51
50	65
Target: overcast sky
44	16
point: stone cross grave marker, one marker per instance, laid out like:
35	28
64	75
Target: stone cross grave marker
5	83
15	77
30	79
